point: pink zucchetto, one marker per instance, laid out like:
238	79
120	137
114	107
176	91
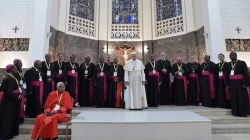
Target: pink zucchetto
88	56
179	58
8	67
37	61
16	60
233	52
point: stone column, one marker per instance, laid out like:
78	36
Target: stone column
212	25
40	41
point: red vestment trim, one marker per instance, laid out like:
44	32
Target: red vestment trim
211	83
150	73
238	77
170	87
228	96
69	73
40	85
59	75
196	76
104	84
183	77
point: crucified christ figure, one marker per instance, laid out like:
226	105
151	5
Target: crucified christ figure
125	50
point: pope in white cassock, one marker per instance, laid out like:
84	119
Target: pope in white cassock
135	95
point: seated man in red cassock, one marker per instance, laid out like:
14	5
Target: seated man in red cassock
57	105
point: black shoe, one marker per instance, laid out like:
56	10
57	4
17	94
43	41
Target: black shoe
56	138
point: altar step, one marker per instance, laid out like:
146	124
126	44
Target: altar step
27	137
220	125
27	129
231	136
224	125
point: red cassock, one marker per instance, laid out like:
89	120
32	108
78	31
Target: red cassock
50	128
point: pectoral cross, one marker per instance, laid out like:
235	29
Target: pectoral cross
238	29
15	29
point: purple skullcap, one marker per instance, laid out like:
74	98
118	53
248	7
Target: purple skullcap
37	61
8	67
179	58
16	60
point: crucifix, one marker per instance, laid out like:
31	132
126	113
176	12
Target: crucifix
15	29
238	29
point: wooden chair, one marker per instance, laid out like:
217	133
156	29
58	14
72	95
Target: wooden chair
68	119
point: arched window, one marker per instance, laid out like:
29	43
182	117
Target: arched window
125	19
81	17
169	17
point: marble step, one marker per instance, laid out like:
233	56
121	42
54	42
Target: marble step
228	119
27	129
230	129
213	112
216	129
27	137
231	136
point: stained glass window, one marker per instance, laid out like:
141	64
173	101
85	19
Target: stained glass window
124	11
82	8
168	9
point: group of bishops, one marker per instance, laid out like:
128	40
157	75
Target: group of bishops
98	85
224	85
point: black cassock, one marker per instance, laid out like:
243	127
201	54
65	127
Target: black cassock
99	99
18	75
165	87
33	106
47	86
58	76
72	82
239	95
9	110
85	80
113	85
222	100
206	99
108	88
152	91
179	94
193	86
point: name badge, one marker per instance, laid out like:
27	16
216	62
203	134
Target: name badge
221	73
48	73
57	107
86	71
20	90
40	78
232	72
180	73
73	71
154	71
115	73
21	82
24	86
60	71
101	73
